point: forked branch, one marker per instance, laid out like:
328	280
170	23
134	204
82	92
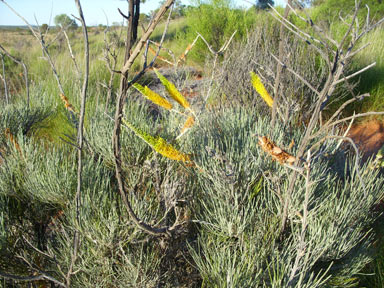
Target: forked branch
118	119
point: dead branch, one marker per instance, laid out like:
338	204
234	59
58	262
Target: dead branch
302	245
118	115
42	44
111	52
296	74
344	51
41	276
216	54
4	80
80	138
279	66
355	74
71	53
20	62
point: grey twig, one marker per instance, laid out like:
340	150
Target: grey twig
4	79
42	276
71	53
20	62
42	44
118	115
80	139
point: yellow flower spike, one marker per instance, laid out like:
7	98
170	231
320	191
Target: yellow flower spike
259	87
159	144
153	96
173	92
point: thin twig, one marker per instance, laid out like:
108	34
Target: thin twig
302	246
20	62
355	74
71	53
42	44
42	276
279	66
4	80
297	75
80	138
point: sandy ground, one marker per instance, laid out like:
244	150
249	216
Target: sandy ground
368	136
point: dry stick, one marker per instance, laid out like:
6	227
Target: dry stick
296	74
118	115
169	51
279	67
345	133
310	22
336	70
338	111
20	62
76	239
145	37
43	46
216	54
4	79
111	68
356	116
42	276
297	32
184	55
301	247
57	35
71	53
355	74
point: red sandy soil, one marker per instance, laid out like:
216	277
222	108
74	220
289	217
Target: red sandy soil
368	136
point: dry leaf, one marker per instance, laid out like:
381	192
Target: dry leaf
276	152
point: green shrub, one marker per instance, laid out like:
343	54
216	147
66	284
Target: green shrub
216	21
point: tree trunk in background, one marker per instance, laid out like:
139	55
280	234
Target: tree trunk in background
133	23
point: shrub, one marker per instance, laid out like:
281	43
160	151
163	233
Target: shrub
216	21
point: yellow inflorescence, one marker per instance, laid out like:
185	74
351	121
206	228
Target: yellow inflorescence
259	87
153	96
159	144
173	92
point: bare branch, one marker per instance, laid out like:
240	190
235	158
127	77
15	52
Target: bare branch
118	114
122	14
297	75
71	53
42	44
80	138
355	74
4	79
42	276
280	66
20	62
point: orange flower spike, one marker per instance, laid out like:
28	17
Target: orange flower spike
276	152
188	124
11	138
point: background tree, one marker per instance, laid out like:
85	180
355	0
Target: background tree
264	4
64	20
44	28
